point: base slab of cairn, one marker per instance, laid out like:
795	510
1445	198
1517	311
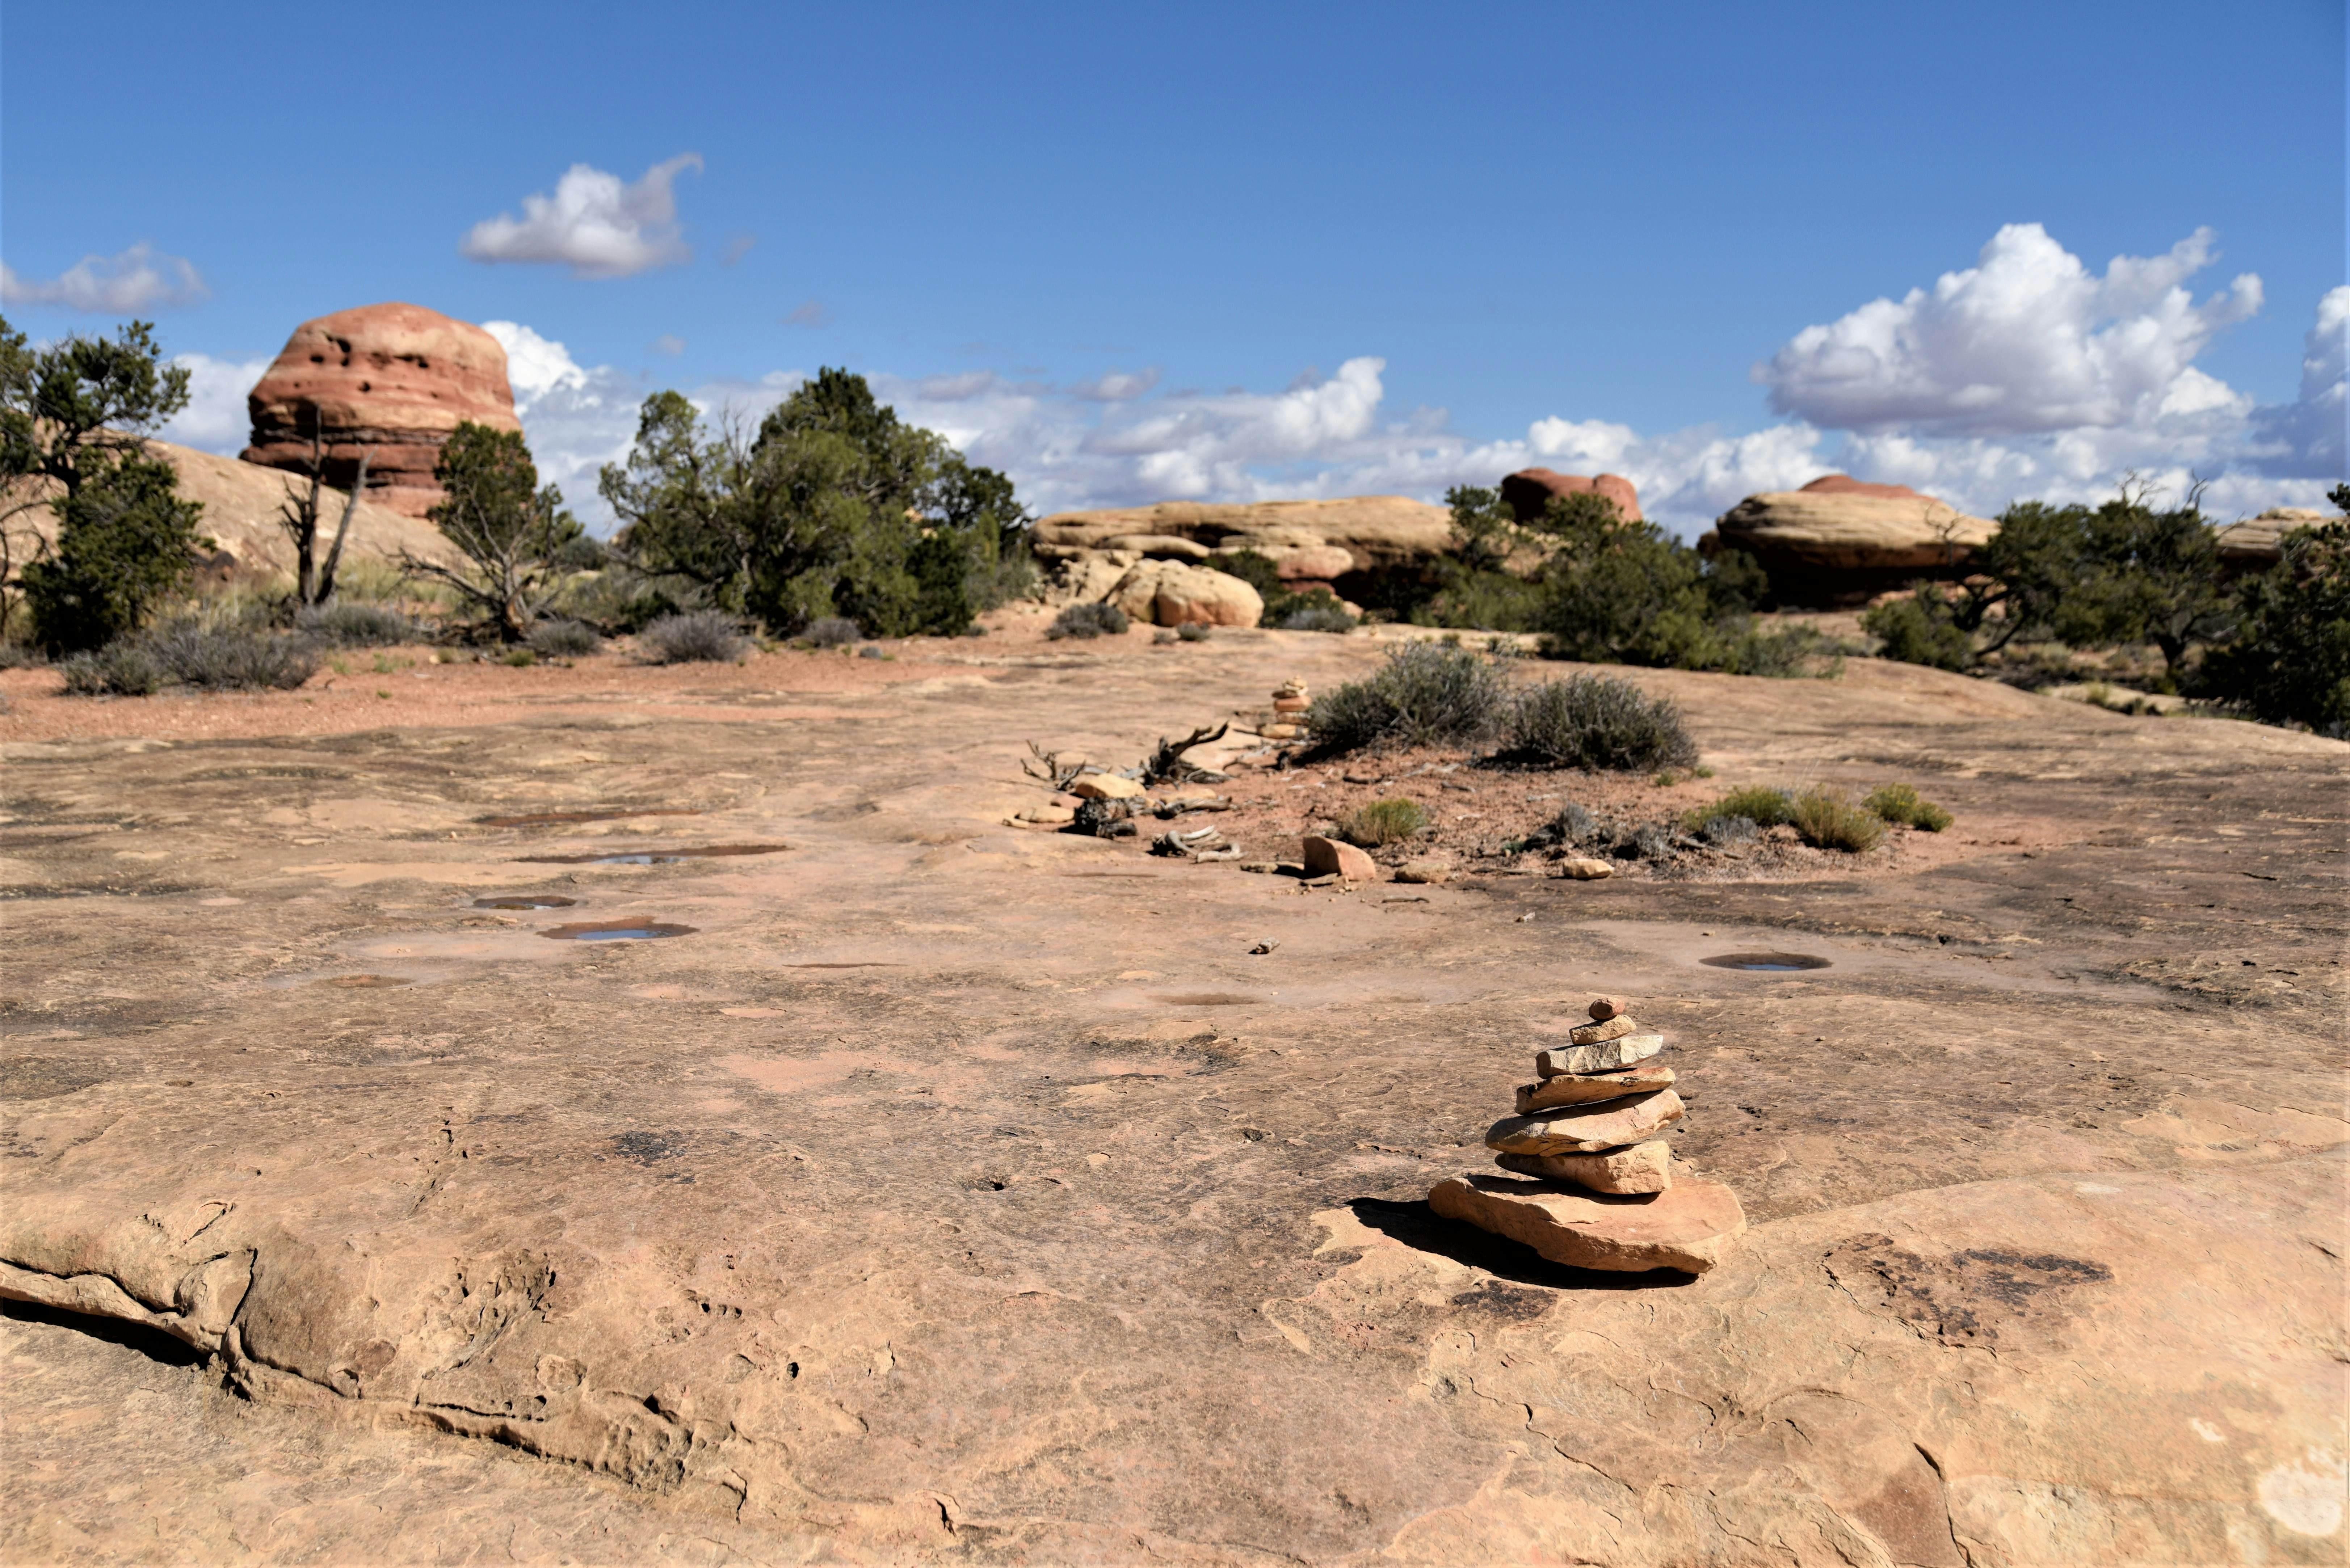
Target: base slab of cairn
1591	1182
1685	1228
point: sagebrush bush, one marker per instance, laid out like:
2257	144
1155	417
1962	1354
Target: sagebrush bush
830	632
348	625
1723	831
118	670
230	659
1901	802
1382	823
1597	721
1829	821
1759	805
563	640
696	636
1425	693
1088	620
1192	631
1311	617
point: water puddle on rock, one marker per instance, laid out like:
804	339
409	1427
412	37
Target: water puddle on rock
564	818
1766	963
655	856
617	931
526	901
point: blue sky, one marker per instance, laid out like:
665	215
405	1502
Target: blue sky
1227	250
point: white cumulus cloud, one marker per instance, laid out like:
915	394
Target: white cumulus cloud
215	418
593	223
139	278
576	418
2026	342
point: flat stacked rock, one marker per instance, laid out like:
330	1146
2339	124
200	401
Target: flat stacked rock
1591	1182
1290	702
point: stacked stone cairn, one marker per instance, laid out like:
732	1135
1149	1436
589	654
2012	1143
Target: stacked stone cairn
1591	1182
1290	702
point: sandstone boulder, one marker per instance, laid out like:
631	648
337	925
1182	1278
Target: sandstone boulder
1529	490
390	379
1309	542
1839	541
1325	855
1170	593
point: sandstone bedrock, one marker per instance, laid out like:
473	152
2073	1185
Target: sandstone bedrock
970	1192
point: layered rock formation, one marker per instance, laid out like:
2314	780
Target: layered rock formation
1331	543
389	379
1529	490
2258	542
1840	541
1175	593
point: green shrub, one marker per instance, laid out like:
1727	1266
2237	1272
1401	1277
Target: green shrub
126	541
831	631
1829	821
1920	629
836	507
698	636
2288	661
1765	807
118	670
520	658
1427	693
1101	620
564	639
1901	802
1383	822
1192	631
1597	721
347	625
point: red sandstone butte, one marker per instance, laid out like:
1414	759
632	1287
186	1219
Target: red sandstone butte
1529	490
390	379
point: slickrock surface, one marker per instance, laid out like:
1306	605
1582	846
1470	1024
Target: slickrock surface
393	379
1582	1128
965	1192
1687	1226
1642	1167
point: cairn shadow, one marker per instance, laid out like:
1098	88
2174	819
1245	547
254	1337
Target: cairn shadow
1420	1227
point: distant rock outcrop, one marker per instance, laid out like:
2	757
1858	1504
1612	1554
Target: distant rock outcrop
1841	541
1339	544
393	379
1529	490
241	504
1172	593
2258	542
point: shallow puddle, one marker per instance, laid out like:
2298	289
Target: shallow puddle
526	901
617	931
656	857
559	819
1766	963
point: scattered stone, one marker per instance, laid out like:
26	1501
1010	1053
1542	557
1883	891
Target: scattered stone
1047	816
1641	1167
1281	731
1583	1089
1326	856
1583	868
1613	1027
1264	946
1607	1056
1687	1226
1581	1129
1106	786
1424	871
1604	1007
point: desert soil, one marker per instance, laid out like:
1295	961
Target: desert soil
953	1190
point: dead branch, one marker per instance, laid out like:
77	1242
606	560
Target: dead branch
1167	764
1056	774
343	530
